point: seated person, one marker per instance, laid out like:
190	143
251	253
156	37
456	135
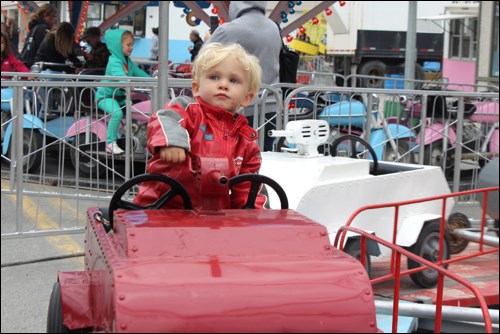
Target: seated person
57	47
9	64
99	54
225	80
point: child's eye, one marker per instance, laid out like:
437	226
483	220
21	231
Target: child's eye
214	77
234	81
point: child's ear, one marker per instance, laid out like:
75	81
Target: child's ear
195	88
248	99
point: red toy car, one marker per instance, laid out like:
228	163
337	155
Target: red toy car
149	269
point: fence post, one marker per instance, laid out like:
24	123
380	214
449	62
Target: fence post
17	154
128	135
369	115
423	124
458	146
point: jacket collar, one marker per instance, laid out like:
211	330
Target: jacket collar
235	121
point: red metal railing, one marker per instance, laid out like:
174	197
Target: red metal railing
397	251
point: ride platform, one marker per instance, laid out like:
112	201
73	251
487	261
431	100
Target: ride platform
482	271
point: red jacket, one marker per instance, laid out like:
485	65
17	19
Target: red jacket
201	129
12	64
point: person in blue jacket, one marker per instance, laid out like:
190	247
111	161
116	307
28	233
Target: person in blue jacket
112	100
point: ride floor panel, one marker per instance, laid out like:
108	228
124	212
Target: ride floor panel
482	271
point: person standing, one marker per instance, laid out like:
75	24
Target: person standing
13	32
259	36
153	50
194	36
41	22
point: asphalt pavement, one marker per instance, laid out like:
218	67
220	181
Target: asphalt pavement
30	265
27	277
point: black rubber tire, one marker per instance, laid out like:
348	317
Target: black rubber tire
353	248
32	141
433	156
55	316
403	149
429	234
419	74
280	143
373	68
457	221
86	166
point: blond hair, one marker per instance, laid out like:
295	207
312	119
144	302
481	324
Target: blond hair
213	54
127	34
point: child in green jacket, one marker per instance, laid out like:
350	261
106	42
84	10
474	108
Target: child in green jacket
120	43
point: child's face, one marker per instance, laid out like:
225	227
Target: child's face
224	86
127	46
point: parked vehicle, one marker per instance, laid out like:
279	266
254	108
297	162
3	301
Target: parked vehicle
90	131
358	43
330	189
41	131
153	269
480	130
348	115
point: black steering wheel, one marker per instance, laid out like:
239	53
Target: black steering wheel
176	189
256	181
354	153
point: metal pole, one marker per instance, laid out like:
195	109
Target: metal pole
17	156
426	311
163	54
458	146
423	124
128	133
475	236
411	46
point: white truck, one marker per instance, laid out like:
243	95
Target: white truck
369	37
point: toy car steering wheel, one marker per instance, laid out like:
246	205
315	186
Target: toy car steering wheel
256	181
176	189
354	153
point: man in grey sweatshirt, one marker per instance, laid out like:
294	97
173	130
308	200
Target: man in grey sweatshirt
259	36
256	33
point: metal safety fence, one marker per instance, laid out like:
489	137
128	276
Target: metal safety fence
57	161
457	131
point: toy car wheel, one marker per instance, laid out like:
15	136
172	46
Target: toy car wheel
427	247
403	151
353	151
54	316
457	221
353	248
88	164
32	153
434	155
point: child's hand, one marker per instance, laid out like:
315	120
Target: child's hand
172	154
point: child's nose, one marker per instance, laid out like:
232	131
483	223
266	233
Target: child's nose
223	84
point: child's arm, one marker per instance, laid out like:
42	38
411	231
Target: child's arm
169	133
250	165
135	71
